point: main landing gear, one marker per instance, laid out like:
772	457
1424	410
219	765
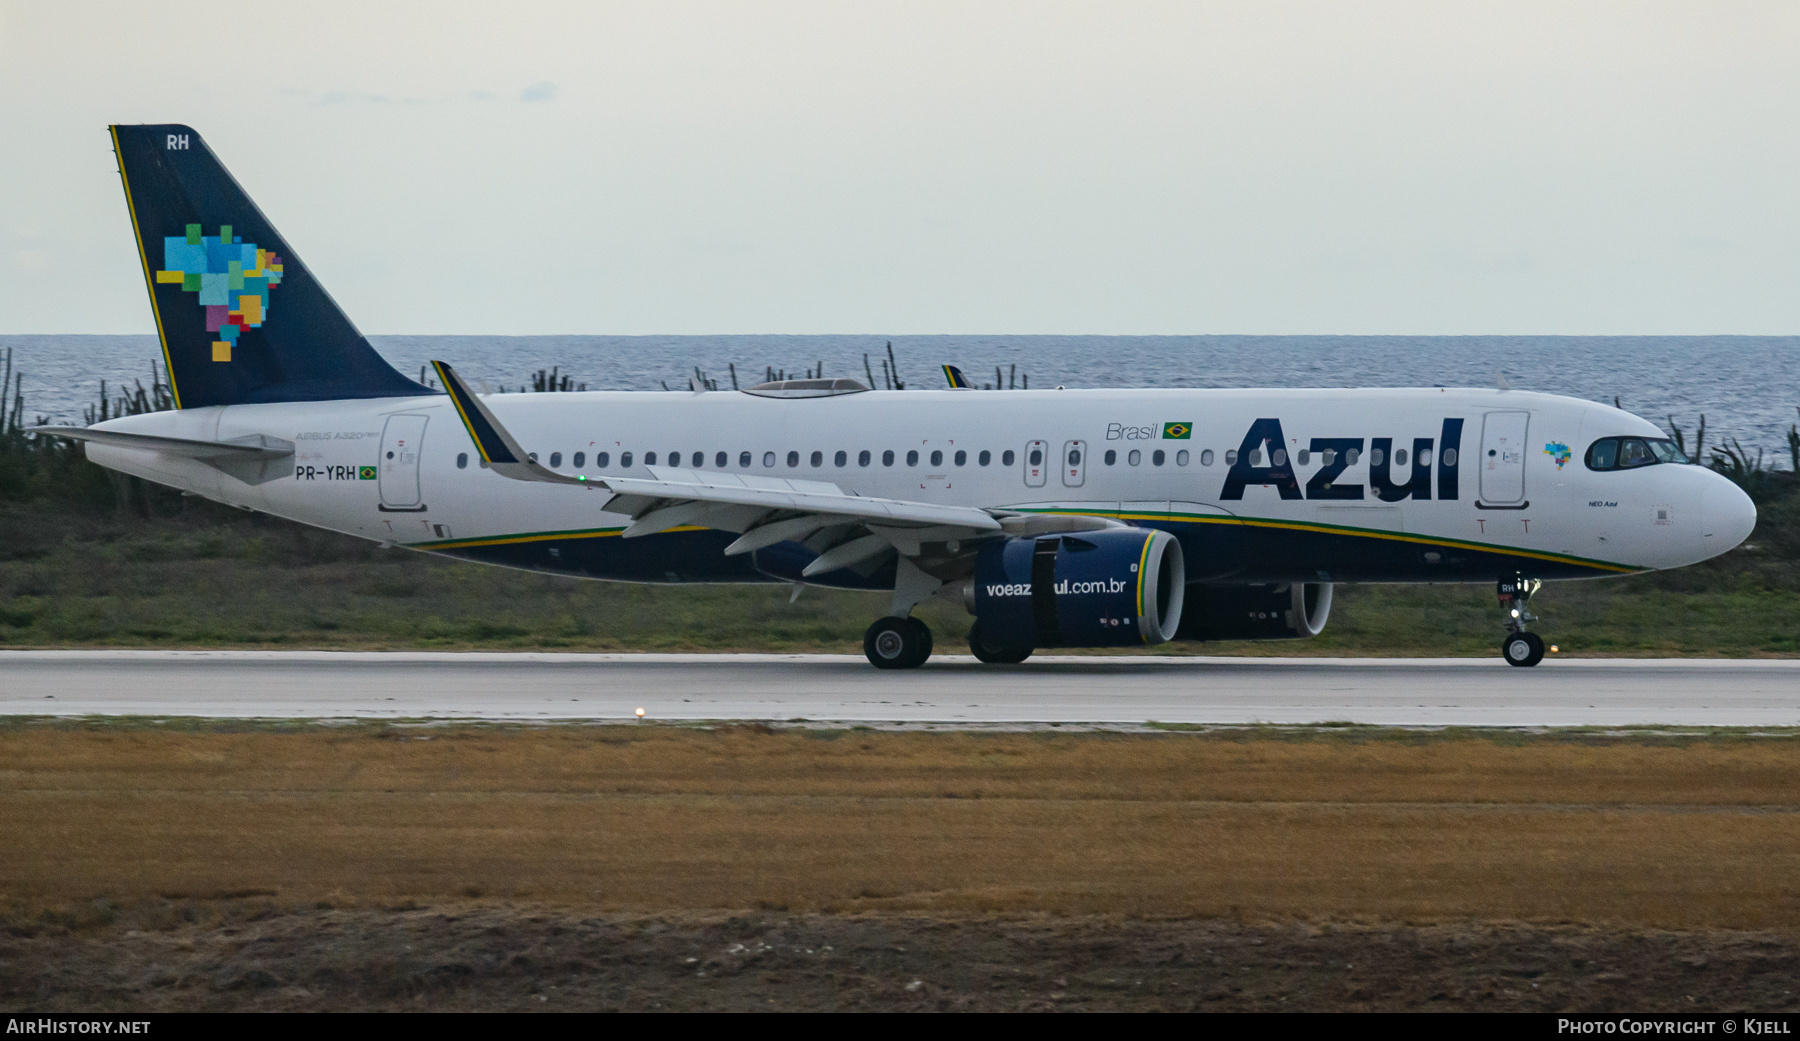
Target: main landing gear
992	654
1520	647
897	643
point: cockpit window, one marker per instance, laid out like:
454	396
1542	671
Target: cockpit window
1629	453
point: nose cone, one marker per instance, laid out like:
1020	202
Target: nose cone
1727	516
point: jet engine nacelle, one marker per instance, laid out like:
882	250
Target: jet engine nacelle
1288	611
1117	587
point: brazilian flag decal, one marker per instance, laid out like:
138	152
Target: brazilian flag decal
365	473
1177	431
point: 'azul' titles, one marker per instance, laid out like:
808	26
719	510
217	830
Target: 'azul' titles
1262	459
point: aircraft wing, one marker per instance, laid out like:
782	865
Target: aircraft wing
766	510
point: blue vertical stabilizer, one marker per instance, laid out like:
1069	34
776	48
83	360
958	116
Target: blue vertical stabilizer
240	317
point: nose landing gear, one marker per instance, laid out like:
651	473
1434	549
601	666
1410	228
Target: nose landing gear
1520	648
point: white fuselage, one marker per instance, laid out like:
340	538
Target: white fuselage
1517	491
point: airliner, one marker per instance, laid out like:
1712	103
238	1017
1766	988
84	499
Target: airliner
1057	518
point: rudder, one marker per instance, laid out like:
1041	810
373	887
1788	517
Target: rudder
240	317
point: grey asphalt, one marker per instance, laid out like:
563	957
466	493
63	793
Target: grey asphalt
948	690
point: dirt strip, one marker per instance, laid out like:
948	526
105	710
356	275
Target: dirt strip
242	956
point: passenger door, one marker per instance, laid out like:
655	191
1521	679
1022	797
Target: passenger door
1503	456
1074	463
1037	465
398	475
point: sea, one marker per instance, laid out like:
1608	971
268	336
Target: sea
1747	387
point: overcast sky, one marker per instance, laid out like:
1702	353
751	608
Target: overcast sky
1112	167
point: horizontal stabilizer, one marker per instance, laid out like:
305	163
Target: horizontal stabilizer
253	459
256	446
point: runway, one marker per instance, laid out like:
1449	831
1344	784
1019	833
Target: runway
950	690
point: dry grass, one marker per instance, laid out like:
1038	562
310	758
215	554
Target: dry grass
1653	833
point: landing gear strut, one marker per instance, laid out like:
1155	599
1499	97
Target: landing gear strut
1520	647
897	643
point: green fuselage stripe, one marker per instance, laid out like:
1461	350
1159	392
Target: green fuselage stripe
1178	518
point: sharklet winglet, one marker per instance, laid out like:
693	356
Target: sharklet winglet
491	439
498	448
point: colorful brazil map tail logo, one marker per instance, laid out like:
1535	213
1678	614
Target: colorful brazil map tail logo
233	277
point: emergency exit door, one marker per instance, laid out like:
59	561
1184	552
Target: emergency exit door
1503	457
1037	463
1074	463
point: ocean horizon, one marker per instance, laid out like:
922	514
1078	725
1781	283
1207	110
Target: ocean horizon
1748	387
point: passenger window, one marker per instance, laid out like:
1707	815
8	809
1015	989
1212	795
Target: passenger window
1327	457
1110	457
1278	457
649	458
1375	457
1037	457
1303	457
624	458
818	459
985	457
1206	457
912	458
719	460
1231	457
1449	457
1425	457
937	458
862	458
887	458
768	458
793	459
1351	455
744	459
1135	457
601	459
1157	457
1399	457
699	460
1256	457
1181	457
1006	457
529	455
841	459
962	457
580	460
462	460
